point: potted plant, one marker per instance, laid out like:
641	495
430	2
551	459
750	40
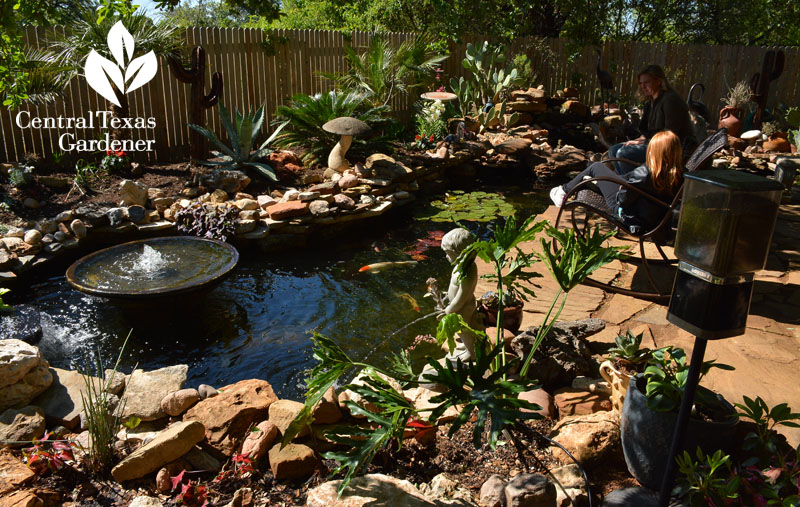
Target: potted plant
625	359
776	140
731	116
512	310
650	412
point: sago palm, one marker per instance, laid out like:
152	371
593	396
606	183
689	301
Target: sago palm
307	114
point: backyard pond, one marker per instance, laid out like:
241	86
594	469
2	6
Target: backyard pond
257	323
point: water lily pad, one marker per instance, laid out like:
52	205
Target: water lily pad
459	206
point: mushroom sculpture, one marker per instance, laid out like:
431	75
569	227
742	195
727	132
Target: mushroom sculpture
346	127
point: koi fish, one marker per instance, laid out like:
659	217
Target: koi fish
410	299
382	266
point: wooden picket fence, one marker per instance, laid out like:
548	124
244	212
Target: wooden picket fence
267	68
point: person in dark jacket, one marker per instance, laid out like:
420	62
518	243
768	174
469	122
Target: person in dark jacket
660	177
663	109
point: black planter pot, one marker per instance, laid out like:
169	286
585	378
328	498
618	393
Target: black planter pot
647	435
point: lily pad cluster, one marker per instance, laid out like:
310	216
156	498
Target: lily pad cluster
466	206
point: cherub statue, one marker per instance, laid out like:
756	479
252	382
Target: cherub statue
460	296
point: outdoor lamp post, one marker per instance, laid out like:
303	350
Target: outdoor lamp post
725	228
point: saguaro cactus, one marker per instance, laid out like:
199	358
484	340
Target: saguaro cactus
198	101
771	70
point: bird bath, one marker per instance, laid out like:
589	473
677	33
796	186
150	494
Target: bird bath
154	268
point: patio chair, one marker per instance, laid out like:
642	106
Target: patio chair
590	201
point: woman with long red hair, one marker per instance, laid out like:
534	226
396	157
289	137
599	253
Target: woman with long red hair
660	176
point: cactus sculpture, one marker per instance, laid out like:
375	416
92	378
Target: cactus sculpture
771	70
198	102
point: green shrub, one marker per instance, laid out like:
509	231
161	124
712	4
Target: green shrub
20	175
306	115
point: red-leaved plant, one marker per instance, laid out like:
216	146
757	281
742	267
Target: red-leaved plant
46	454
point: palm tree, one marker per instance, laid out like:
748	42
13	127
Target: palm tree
382	71
85	33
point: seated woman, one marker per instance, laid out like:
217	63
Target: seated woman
660	177
663	109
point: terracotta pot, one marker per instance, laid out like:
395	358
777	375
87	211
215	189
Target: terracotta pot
618	381
778	144
512	316
730	118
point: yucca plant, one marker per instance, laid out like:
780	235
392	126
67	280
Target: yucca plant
382	71
307	114
242	133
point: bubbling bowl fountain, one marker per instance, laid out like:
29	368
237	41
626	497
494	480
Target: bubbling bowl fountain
154	269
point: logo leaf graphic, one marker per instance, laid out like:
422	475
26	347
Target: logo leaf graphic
120	41
98	71
146	65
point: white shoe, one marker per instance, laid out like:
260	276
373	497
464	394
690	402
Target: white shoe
557	195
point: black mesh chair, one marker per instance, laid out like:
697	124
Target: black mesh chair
590	202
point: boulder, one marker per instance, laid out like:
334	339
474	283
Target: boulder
23	322
17	358
32	237
591	438
531	95
62	403
13	473
31	385
368	490
246	204
283	412
493	492
21	425
178	402
571	401
575	107
543	399
516	147
227	181
146	389
573	488
530	490
294	461
133	193
259	440
344	202
327	410
384	167
446	491
288	209
563	354
229	415
169	445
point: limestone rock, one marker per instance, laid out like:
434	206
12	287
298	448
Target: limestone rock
327	410
133	192
199	459
574	488
206	391
562	355
294	461
169	445
16	359
589	438
24	424
319	208
368	490
493	492
444	490
344	202
348	180
78	228
62	402
178	402
229	415
146	390
145	501
530	490
257	443
543	399
31	385
354	397
33	237
115	381
227	181
246	204
283	412
243	497
288	209
572	401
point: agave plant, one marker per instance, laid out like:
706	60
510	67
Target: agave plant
382	71
242	133
307	114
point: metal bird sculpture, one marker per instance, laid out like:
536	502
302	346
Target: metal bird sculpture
605	80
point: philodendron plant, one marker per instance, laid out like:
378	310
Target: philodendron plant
479	388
